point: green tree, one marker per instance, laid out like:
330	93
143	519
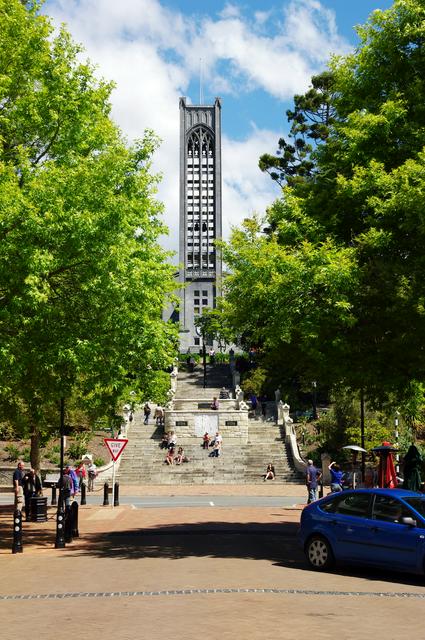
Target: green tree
335	287
311	118
82	277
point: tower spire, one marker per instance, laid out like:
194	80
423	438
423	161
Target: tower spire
201	88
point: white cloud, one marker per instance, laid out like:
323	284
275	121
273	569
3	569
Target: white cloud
245	189
152	53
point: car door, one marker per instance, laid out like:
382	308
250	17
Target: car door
392	543
351	525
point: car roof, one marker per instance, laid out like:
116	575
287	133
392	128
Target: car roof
394	493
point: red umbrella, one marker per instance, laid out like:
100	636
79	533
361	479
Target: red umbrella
387	478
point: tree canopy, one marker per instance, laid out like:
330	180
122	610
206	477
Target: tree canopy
334	275
82	277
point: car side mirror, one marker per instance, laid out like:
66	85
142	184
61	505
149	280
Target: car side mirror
409	521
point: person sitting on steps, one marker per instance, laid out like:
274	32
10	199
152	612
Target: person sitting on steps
180	457
214	404
170	457
172	440
270	472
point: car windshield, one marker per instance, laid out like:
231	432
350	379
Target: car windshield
418	504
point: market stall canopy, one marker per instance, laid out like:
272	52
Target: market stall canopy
354	447
387	478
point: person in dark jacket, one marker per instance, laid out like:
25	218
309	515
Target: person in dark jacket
31	484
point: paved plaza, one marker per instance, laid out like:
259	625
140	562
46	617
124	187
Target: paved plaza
190	572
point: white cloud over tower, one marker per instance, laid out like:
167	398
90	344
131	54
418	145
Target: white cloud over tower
152	53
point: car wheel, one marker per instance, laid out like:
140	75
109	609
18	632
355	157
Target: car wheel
319	553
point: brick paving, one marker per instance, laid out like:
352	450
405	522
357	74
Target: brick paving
189	572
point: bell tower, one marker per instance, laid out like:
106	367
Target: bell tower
200	214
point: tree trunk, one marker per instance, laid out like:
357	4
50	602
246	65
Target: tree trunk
35	450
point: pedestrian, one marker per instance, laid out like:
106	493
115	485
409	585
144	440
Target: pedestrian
214	404
81	473
224	394
31	485
216	449
270	472
147	413
206	440
66	487
212	356
180	457
158	416
172	440
336	477
74	478
312	476
254	402
18	480
169	457
92	473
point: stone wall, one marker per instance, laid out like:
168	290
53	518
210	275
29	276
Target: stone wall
189	425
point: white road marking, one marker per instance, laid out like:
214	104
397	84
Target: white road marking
211	504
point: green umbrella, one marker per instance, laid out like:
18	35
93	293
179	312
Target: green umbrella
412	469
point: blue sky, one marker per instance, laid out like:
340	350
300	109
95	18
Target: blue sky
255	56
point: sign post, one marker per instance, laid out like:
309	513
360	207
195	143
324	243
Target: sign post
115	446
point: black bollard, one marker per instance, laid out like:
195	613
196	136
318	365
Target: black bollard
74	519
68	524
117	494
106	494
17	532
83	494
54	500
60	526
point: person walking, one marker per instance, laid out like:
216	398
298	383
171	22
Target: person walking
159	416
92	473
313	476
18	481
67	487
147	413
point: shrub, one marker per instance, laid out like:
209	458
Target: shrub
26	454
13	452
99	462
78	448
54	458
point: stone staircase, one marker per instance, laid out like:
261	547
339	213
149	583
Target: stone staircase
143	459
190	385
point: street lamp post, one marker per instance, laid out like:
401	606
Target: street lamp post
396	434
314	399
62	433
201	333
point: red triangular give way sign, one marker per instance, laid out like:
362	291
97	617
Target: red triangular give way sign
116	446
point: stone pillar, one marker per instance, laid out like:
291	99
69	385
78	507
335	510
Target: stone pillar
283	413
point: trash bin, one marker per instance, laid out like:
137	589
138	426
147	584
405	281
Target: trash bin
38	509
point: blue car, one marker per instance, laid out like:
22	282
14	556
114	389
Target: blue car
376	527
